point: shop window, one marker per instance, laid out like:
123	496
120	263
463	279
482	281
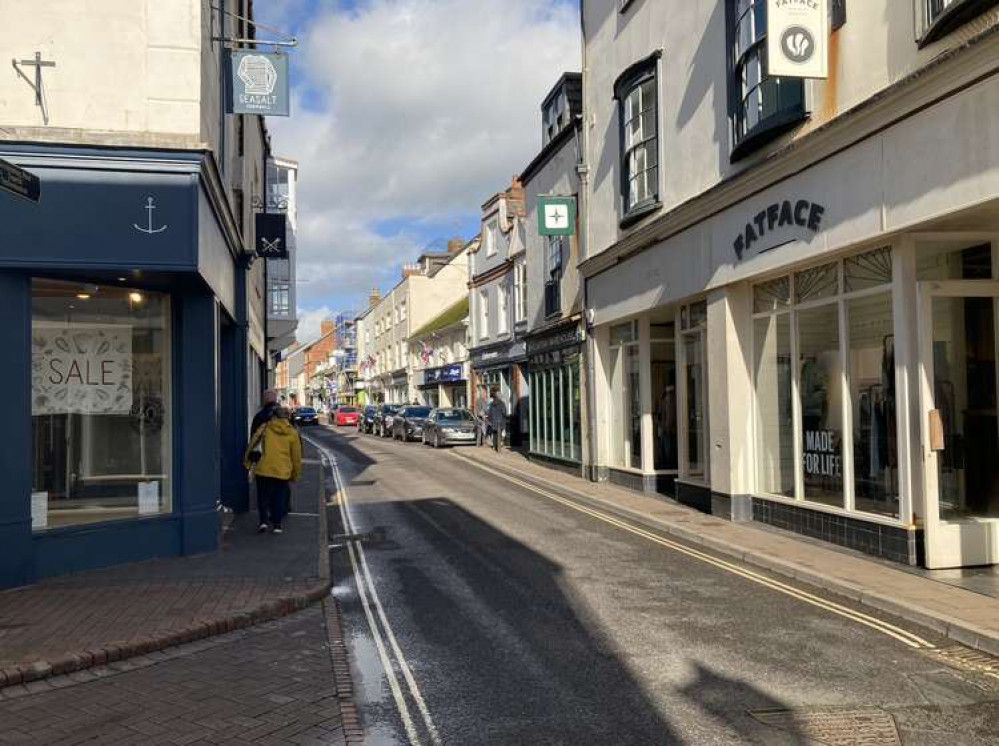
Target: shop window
664	399
626	405
941	17
762	107
637	94
693	393
846	454
100	403
945	263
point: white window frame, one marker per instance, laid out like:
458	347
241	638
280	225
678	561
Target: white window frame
484	313
490	237
503	308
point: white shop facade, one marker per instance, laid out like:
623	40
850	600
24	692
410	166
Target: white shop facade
813	344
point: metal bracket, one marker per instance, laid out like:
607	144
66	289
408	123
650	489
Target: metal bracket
38	63
288	41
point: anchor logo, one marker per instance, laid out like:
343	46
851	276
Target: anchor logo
150	206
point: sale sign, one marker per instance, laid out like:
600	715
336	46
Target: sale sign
81	369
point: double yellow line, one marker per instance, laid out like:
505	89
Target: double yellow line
903	636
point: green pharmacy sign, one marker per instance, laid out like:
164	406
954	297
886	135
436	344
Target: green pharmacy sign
556	216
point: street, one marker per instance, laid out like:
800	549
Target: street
509	618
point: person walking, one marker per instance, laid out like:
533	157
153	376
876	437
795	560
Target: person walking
275	456
497	419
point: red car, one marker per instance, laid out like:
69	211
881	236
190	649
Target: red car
346	416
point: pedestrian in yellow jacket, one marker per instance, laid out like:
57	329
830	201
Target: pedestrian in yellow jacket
275	456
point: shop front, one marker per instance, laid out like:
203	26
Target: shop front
556	414
124	306
502	368
827	362
444	386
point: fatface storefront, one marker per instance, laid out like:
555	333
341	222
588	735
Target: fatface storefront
827	363
124	310
556	413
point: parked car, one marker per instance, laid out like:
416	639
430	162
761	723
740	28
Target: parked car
451	427
305	416
346	415
366	421
383	419
408	422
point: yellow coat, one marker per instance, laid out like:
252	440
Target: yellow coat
282	451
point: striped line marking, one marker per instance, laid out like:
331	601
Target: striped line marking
903	636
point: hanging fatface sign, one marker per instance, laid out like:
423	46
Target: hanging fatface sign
272	235
257	83
798	38
81	369
556	216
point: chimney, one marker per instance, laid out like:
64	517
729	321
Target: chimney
326	326
515	202
455	245
374	297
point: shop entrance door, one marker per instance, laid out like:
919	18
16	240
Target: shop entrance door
960	427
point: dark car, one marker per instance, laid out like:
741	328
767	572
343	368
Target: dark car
383	419
408	422
305	416
366	422
451	427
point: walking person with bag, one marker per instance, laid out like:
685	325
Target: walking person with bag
496	415
274	454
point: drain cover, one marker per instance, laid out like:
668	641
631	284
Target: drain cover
835	726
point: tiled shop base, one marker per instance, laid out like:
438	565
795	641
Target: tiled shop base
890	542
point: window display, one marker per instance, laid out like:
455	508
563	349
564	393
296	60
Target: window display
100	403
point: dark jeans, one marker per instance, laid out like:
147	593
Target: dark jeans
273	496
497	438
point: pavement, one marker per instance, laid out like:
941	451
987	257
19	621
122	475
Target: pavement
506	607
75	622
965	612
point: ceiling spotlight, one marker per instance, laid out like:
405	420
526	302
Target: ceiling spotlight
135	297
121	279
83	296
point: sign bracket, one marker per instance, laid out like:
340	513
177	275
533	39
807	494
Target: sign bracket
287	41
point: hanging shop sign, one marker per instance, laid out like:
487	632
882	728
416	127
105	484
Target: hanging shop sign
798	38
780	223
257	83
556	216
271	230
15	180
81	369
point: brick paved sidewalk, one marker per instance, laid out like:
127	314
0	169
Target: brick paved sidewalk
85	619
963	615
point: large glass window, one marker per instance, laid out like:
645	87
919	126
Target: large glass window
626	404
846	454
763	106
664	397
637	94
100	403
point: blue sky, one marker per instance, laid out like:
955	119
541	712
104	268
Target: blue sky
406	116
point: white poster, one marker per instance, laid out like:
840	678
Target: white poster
149	498
798	38
39	509
81	369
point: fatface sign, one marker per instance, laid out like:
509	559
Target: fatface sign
780	223
272	235
257	83
81	369
556	216
797	38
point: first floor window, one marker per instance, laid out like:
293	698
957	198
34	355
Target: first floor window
638	100
100	403
503	312
520	291
484	313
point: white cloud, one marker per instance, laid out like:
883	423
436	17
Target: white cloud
425	109
309	323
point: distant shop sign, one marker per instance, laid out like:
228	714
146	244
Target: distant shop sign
446	374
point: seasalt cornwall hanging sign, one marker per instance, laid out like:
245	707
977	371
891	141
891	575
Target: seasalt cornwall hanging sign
797	38
257	83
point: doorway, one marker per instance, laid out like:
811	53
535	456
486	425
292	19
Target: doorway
960	427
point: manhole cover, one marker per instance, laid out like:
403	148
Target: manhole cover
835	726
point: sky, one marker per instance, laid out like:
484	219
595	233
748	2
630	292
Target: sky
406	116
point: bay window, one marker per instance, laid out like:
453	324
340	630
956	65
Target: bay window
637	93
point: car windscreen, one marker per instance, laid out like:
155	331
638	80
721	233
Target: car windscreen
347	410
455	415
390	409
306	410
417	411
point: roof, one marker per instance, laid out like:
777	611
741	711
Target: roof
448	317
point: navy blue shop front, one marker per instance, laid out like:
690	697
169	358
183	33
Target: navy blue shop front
122	227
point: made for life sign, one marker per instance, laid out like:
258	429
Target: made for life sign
81	369
257	83
798	38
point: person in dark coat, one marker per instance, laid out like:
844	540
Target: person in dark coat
497	419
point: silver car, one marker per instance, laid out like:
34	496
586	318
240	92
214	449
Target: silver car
448	426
